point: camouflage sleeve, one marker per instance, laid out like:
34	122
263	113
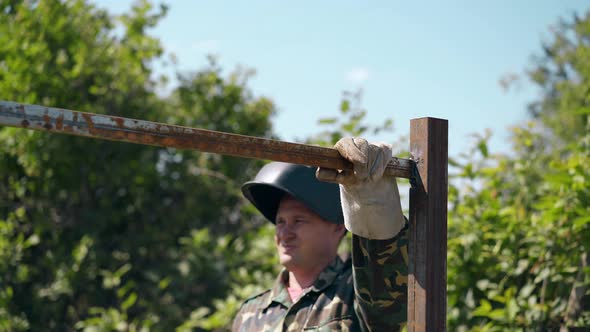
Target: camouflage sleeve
380	273
237	321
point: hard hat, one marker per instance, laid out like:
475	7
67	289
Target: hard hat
276	179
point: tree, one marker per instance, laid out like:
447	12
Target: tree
519	225
111	236
561	73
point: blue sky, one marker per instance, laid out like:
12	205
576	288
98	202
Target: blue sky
412	59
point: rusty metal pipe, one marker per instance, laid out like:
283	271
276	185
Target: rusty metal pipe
116	128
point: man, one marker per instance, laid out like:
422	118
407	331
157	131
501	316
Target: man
316	290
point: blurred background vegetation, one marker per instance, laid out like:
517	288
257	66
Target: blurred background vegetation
102	236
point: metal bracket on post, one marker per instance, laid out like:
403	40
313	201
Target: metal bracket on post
415	180
427	276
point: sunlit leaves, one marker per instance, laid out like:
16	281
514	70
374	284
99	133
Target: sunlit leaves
518	229
351	121
90	230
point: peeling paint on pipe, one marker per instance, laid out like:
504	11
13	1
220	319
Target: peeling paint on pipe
116	128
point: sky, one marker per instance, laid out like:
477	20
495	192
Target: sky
411	59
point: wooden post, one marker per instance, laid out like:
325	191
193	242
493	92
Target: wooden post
427	277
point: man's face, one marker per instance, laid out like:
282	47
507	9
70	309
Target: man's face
305	241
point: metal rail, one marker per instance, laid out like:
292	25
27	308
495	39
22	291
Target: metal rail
116	128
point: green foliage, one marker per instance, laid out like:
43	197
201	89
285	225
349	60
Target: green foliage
349	122
517	234
518	224
253	268
562	73
101	236
107	236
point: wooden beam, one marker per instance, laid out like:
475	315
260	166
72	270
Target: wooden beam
427	270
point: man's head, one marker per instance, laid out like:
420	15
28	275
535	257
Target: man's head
307	212
303	239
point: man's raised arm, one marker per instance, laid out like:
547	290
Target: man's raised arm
372	213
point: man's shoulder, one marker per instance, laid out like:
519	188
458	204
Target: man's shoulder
249	310
256	299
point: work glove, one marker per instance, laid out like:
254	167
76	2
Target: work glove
370	201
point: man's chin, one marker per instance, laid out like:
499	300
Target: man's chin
286	261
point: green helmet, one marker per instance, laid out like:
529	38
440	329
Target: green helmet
276	179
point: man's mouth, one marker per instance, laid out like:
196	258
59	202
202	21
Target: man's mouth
289	246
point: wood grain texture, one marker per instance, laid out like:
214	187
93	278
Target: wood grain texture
427	279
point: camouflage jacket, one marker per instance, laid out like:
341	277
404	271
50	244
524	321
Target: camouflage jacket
368	295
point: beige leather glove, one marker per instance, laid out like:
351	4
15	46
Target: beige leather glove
370	201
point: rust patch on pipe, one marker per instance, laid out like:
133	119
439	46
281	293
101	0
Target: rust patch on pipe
59	122
47	120
120	122
89	122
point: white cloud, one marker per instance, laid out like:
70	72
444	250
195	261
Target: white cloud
357	75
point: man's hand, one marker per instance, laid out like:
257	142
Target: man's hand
370	201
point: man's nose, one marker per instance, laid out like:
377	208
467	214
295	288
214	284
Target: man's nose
286	231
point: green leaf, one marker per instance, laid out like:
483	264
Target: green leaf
582	111
327	121
129	301
484	309
527	290
483	148
581	221
344	106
